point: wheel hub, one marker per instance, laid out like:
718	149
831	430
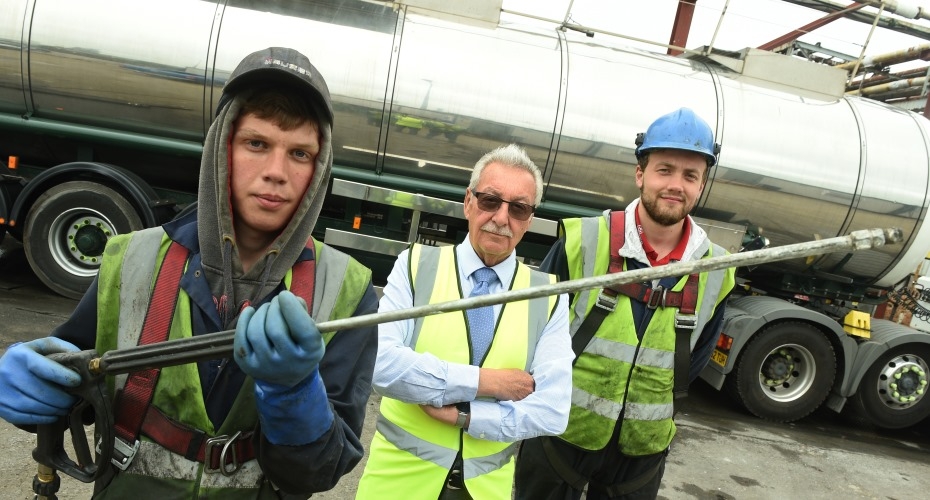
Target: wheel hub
787	372
77	238
778	367
88	239
903	381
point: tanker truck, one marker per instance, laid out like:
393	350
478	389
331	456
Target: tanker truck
104	105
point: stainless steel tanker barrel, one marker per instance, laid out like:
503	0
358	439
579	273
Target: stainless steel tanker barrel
418	100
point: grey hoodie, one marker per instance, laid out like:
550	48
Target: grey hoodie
219	251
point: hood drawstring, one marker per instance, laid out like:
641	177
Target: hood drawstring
229	294
266	273
228	297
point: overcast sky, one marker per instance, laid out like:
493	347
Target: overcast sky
747	23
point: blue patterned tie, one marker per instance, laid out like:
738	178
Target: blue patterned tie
481	319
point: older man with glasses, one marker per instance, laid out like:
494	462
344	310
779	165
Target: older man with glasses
461	389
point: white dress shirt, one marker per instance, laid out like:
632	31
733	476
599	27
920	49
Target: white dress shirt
422	378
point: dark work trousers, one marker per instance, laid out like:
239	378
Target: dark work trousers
537	479
451	494
454	489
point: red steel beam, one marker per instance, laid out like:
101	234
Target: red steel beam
807	28
682	26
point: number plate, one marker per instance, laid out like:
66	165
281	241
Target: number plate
719	357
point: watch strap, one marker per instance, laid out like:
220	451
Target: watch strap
464	410
461	420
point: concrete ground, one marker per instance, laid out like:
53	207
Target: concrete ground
721	452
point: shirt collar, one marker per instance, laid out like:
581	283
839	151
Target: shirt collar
184	231
469	262
675	255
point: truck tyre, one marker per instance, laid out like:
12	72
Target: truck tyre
67	229
784	373
893	392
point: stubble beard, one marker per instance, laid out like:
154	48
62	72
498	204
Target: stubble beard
662	216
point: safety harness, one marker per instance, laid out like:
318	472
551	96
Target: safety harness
134	413
659	296
685	300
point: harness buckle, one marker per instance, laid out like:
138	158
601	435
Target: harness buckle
227	443
455	481
656	297
606	302
685	321
123	452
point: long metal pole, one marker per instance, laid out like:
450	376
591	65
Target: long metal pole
219	344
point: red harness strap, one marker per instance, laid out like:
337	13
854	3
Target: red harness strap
685	300
617	239
134	413
195	445
136	396
303	277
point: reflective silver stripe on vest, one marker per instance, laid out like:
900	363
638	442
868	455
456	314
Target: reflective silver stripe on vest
712	288
441	456
136	287
654	357
610	409
610	349
596	404
619	351
589	232
538	311
420	448
154	461
643	411
474	467
330	271
423	285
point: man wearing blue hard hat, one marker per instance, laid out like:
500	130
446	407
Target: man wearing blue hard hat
638	346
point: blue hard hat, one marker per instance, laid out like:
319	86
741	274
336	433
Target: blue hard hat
680	129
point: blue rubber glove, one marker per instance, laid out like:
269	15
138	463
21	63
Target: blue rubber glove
279	343
31	385
294	415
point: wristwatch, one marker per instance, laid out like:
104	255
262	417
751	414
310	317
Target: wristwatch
464	410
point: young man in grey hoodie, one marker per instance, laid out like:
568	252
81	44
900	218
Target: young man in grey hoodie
284	418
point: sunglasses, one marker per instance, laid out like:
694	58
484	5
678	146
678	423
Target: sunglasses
490	203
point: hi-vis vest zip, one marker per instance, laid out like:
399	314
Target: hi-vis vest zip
641	374
123	298
412	453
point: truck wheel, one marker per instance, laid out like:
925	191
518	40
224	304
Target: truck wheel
66	230
784	373
893	392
